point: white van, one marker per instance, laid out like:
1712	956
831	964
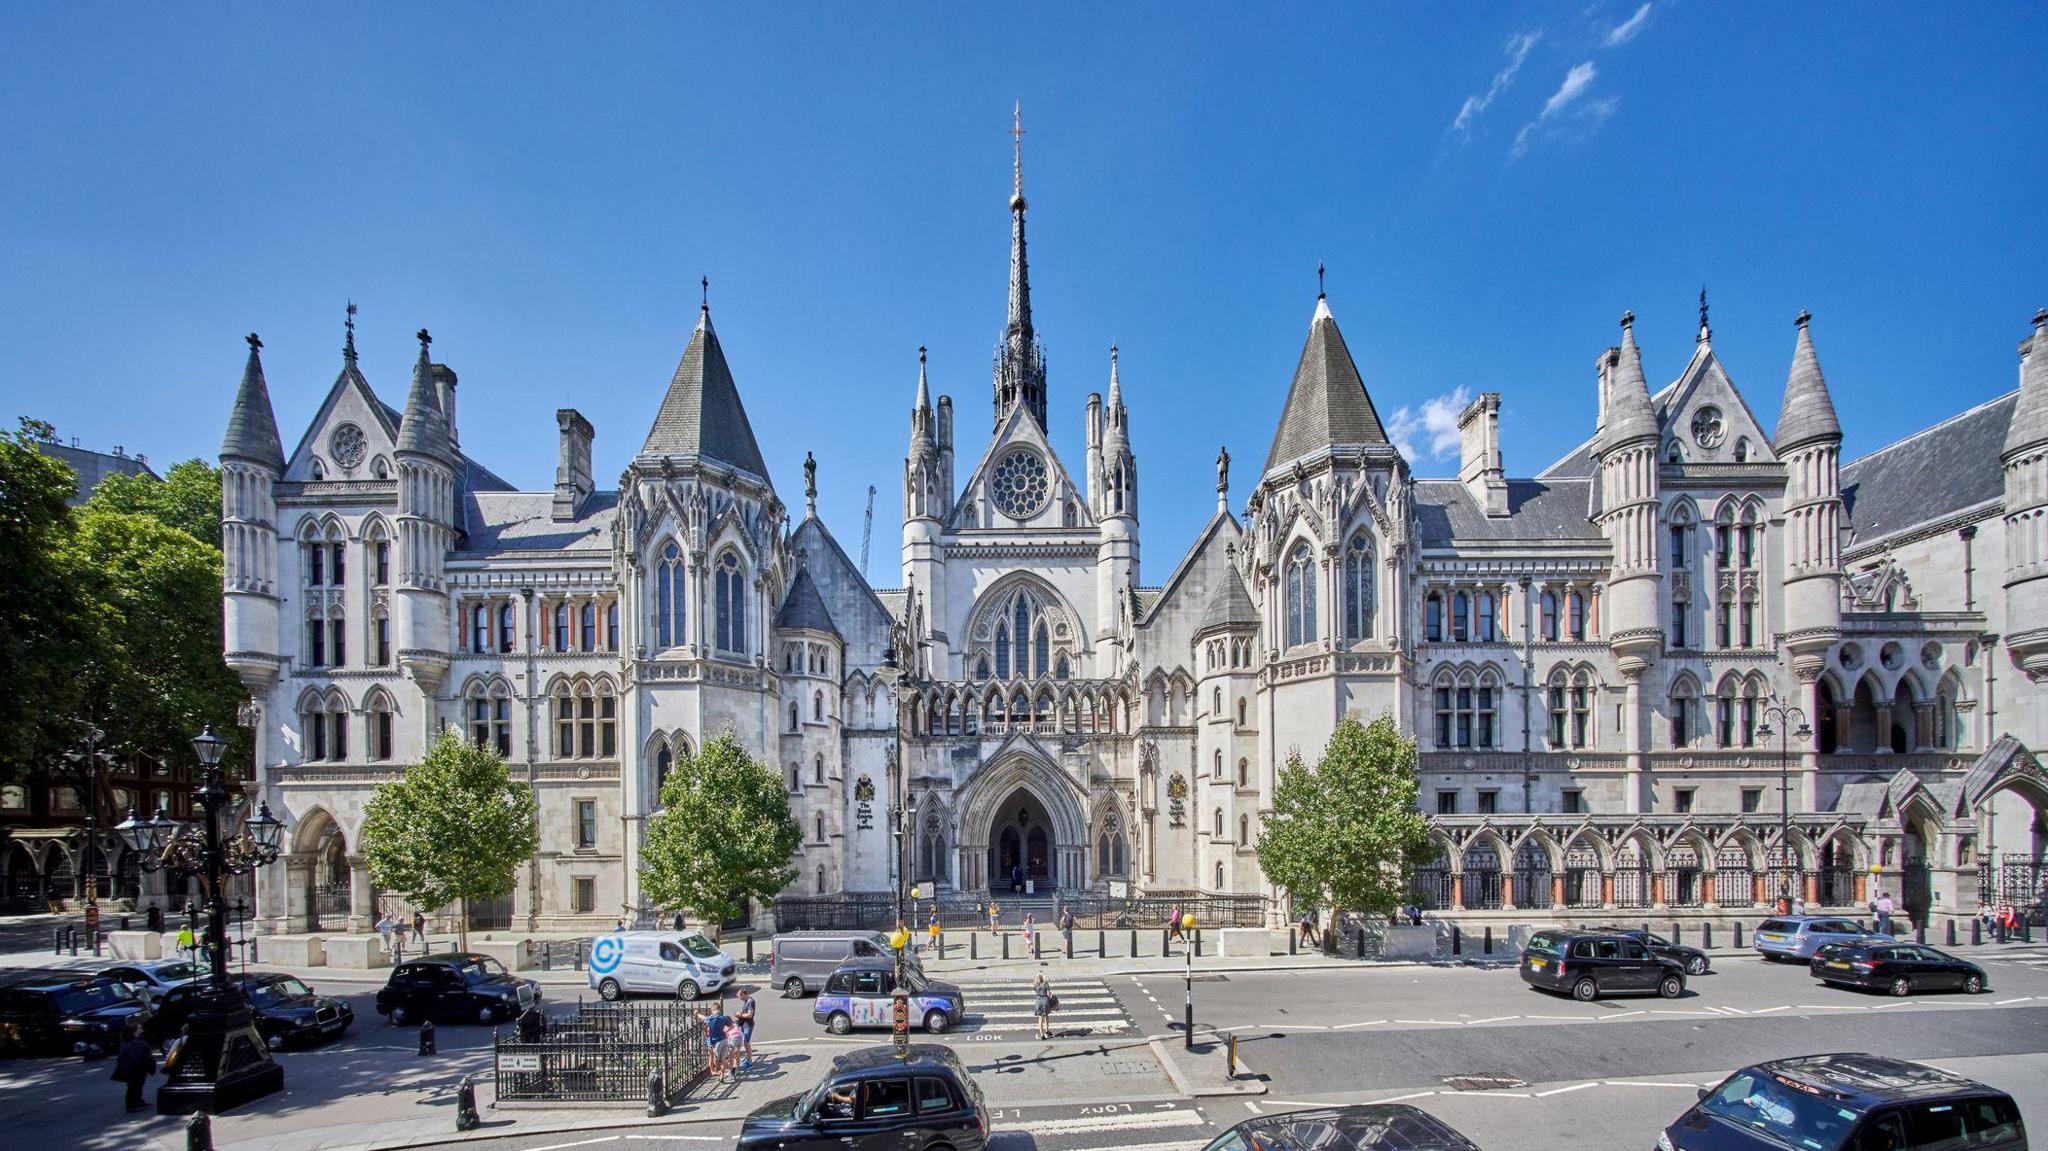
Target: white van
680	963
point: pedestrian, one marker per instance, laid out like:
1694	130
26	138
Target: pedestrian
744	1017
995	916
714	1039
1043	1003
1017	878
156	921
1173	923
1067	928
185	943
1883	908
1030	927
419	928
1414	915
1308	926
134	1064
385	926
678	921
931	930
1799	905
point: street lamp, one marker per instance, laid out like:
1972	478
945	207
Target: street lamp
1187	948
90	761
224	1062
891	673
1788	721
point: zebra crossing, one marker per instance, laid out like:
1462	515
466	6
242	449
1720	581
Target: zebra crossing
1086	1007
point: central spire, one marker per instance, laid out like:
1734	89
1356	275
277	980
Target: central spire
1020	367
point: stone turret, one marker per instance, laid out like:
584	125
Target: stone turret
1809	444
1116	511
251	462
1628	515
426	526
2026	494
927	494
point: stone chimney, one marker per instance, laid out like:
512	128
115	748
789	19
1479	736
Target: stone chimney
572	473
1479	465
444	390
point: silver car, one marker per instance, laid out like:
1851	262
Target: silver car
1799	936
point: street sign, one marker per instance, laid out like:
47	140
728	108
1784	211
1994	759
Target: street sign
509	1062
92	918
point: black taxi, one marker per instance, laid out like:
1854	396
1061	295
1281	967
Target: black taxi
1847	1102
1587	965
871	1100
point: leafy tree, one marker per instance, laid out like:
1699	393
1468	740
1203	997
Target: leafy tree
724	834
42	619
451	829
186	498
1347	833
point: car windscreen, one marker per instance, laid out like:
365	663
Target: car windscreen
913	982
1544	943
481	968
1778	925
699	946
92	997
1764	1105
272	994
172	972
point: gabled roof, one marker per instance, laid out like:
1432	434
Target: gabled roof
252	425
1326	404
701	415
1929	475
1183	571
802	609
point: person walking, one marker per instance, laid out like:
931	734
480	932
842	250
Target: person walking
1883	908
1308	927
1043	1003
995	916
678	921
1067	928
133	1065
931	931
1017	878
156	921
185	943
744	1016
1173	924
533	1023
1030	928
419	928
385	926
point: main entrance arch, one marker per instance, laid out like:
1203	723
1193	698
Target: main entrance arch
1022	814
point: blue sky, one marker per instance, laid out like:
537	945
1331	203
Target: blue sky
1490	186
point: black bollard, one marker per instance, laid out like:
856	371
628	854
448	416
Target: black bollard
547	957
199	1132
124	923
1920	933
2026	931
1134	943
1948	936
942	943
255	956
1486	941
973	946
1738	935
1067	943
1675	937
74	942
1457	941
1165	942
1706	937
466	1117
95	942
579	955
60	942
1198	943
427	1037
1293	941
750	947
1358	944
1976	932
1006	945
1034	943
2003	934
657	1098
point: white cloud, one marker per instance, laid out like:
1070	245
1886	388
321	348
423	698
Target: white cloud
1518	50
1429	432
1625	31
1587	114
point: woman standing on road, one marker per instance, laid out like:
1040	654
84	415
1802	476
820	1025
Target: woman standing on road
1042	1003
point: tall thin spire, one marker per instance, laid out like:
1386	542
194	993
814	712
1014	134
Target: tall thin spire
1020	367
1017	165
1808	413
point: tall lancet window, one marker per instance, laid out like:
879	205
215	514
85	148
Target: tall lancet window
1301	596
1002	651
1359	589
1023	630
671	592
732	604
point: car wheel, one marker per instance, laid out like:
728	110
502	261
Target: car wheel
608	990
936	1022
839	1023
1972	984
688	989
1902	987
1671	987
486	1015
793	987
274	1042
400	1016
1585	990
1697	966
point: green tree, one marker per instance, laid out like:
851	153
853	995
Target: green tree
186	498
724	834
42	613
1347	833
451	829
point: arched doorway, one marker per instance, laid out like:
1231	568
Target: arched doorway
2015	863
1022	850
1916	873
325	881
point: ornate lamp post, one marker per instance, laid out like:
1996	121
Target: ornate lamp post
89	761
892	674
1783	721
224	1061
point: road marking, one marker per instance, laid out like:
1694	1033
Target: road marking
1495	1019
681	1138
1640	1083
997	1138
1438	1022
1768	1010
1367	1023
1253	1107
2021	999
1414	1095
1130	1122
1624	1014
580	1143
1563	1090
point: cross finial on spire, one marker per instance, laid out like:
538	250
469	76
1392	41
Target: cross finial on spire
1319	279
704	283
1805	317
425	340
348	347
254	343
1628	319
1705	331
1017	139
920	354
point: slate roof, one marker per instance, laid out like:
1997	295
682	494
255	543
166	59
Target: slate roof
252	426
496	522
1545	509
802	607
701	415
1808	413
1229	605
1863	797
1327	403
1929	475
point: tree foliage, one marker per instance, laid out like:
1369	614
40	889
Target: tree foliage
724	834
186	498
42	616
452	828
1347	833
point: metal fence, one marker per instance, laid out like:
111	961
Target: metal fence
603	1054
962	912
1093	911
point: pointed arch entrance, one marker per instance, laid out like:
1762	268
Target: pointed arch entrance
1022	815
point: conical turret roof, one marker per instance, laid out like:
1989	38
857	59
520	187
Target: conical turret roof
702	415
1809	412
2030	416
423	429
803	607
1630	414
1327	404
252	425
1229	605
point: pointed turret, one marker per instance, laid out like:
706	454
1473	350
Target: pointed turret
422	430
426	526
701	415
922	497
1630	414
1116	509
1808	413
252	425
1631	614
2029	425
1327	405
1230	606
803	609
2026	527
1020	361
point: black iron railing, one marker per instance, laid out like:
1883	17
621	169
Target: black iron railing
1092	911
603	1054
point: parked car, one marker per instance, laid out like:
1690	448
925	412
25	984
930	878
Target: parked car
799	961
1692	958
285	1010
680	963
1900	968
1587	965
870	1100
1799	936
53	1015
1364	1127
1848	1102
455	987
862	994
152	978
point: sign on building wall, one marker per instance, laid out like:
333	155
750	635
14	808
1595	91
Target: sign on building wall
864	803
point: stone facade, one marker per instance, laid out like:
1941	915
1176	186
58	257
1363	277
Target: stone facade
1598	661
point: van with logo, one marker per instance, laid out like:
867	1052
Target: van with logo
800	961
862	993
680	963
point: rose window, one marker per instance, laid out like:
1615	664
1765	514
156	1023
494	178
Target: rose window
1020	484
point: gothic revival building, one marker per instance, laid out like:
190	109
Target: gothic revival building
1607	665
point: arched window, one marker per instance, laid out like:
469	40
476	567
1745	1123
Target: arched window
480	628
1219	823
671	593
1487	727
561	637
818	706
1576	605
1216	702
1582	710
664	761
1461	616
821	879
1244	831
1359	588
1219	765
1041	649
1445	716
1557	697
1433	618
1240	713
1002	651
1549	608
1023	629
731	605
382	727
1110	846
611	626
1301	596
490	717
794	716
1483	629
1060	670
818	768
1243	772
818	827
586	627
1219	875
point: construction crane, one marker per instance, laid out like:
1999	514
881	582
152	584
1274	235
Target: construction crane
867	529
